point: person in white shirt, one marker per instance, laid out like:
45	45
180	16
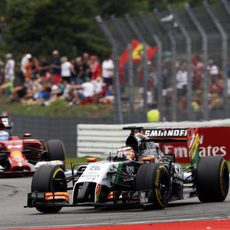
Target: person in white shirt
66	69
83	91
24	63
108	70
9	68
182	79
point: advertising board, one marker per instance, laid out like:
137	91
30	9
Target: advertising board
214	141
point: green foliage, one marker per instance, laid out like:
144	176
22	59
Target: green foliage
40	26
121	7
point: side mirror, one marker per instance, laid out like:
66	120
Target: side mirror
25	135
91	159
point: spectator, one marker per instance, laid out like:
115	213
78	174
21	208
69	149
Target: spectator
98	89
108	70
66	69
9	68
19	90
79	70
24	64
86	65
108	97
213	69
43	67
85	91
56	93
44	94
56	67
182	79
215	101
95	67
198	70
31	69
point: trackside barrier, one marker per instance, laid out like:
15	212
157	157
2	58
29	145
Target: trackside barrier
100	140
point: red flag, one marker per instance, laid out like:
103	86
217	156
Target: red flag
137	53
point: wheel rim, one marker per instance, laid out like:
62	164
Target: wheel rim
164	187
58	182
224	179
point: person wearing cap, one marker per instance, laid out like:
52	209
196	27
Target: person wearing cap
9	68
56	67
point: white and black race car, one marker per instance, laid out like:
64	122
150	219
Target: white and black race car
138	174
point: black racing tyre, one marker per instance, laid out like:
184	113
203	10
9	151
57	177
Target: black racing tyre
155	178
212	179
44	181
55	150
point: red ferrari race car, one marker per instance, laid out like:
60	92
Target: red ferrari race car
19	156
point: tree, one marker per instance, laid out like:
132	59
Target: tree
121	7
40	26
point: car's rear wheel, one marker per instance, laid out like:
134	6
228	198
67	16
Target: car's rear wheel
154	179
212	179
49	178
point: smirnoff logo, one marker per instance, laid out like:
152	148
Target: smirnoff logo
165	132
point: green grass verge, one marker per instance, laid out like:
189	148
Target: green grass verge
57	109
74	160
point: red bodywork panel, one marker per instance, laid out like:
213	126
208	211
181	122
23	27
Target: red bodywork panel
13	152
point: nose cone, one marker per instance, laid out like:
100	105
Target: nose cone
18	162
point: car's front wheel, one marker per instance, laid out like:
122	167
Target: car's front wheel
153	179
49	178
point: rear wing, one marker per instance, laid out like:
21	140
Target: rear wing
190	135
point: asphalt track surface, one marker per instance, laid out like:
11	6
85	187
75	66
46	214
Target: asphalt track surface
13	194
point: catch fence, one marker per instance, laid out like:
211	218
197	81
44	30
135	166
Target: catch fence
176	60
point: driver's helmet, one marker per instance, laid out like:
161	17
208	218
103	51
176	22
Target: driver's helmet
4	135
126	152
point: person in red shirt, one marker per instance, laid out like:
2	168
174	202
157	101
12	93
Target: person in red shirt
95	67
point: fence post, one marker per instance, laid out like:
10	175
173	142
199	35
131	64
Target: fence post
224	52
205	108
145	59
174	57
189	61
156	39
109	36
126	41
226	5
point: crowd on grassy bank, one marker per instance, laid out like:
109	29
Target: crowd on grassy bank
44	80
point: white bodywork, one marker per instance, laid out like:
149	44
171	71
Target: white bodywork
56	162
97	173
